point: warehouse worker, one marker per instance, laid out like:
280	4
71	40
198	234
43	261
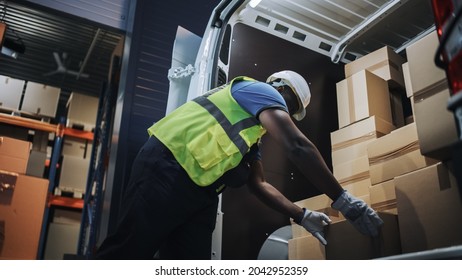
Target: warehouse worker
211	143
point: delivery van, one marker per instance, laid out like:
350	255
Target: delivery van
378	115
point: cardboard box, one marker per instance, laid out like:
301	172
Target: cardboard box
82	111
437	130
306	248
76	147
22	214
351	141
320	203
344	242
383	62
10	92
40	100
422	69
14	154
358	188
74	174
395	154
2	32
362	95
383	197
352	171
430	209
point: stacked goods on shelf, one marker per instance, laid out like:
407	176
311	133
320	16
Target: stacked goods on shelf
10	93
81	116
40	100
22	202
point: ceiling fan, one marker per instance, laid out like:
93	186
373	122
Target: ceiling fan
62	69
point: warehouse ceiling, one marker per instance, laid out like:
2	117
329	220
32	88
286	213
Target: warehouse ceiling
56	49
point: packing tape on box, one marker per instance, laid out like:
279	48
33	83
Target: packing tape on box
353	141
395	154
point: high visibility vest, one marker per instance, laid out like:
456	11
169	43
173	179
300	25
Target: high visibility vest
210	134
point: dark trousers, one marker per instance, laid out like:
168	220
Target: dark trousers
162	211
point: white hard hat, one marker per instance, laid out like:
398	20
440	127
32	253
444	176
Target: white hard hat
298	85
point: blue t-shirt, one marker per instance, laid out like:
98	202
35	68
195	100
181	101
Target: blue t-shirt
255	97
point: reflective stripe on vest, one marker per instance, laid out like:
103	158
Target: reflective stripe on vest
209	135
232	130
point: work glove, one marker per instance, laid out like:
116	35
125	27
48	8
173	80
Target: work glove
359	214
314	223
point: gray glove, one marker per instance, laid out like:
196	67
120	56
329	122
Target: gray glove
359	214
314	223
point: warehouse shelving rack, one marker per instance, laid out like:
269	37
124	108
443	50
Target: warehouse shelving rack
92	206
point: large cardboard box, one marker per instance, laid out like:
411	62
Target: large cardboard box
306	248
21	213
362	95
430	209
10	92
395	154
437	130
40	99
423	72
14	154
82	111
383	197
344	242
351	141
383	62
407	80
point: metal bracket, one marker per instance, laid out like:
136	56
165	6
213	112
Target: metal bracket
181	72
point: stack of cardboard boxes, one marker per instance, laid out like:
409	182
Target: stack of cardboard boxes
378	156
22	202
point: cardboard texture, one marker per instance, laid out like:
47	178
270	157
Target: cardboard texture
344	242
2	33
306	248
22	213
14	154
383	197
395	154
430	209
423	72
351	141
362	95
358	188
383	62
77	147
352	171
437	131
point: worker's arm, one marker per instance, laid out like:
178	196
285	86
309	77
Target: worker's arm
312	221
269	194
300	150
307	158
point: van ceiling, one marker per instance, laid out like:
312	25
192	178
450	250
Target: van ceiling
357	27
44	32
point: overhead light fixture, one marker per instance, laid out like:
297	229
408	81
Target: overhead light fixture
254	3
9	52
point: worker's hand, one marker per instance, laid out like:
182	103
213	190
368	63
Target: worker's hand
314	223
358	213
